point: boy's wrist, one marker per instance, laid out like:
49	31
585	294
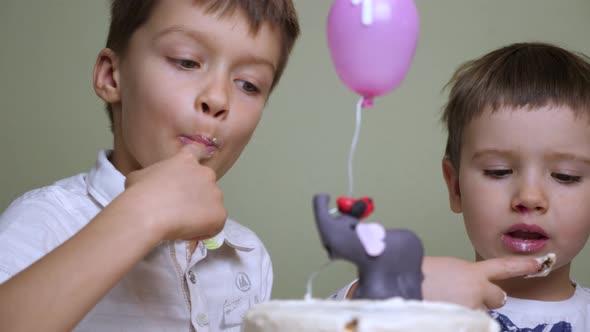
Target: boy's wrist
128	209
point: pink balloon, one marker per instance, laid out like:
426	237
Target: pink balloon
372	43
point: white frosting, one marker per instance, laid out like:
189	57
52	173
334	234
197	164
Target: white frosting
546	263
365	315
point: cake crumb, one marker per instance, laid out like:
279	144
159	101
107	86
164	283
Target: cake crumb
352	325
545	266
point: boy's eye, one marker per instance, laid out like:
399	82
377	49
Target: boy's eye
497	173
187	64
566	178
248	87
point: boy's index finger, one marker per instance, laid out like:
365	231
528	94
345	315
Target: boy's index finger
509	267
196	151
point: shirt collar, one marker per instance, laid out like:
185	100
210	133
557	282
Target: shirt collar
104	183
238	236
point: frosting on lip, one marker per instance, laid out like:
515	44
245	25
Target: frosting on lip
525	238
211	145
523	245
204	140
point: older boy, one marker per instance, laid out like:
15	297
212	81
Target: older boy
186	82
517	165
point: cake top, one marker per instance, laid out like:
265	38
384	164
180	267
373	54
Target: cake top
367	315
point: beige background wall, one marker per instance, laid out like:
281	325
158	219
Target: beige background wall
51	123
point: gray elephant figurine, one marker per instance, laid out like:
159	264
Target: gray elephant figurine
394	269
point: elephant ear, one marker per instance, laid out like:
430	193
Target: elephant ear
372	237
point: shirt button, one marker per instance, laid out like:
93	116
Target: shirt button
202	319
192	277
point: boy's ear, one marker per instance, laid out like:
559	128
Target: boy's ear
106	76
452	180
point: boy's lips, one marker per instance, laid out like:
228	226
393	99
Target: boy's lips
211	145
525	238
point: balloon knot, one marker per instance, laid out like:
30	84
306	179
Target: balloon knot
367	102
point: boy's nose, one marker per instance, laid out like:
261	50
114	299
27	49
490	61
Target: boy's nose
213	100
530	197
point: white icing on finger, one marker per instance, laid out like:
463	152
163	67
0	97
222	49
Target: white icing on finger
545	265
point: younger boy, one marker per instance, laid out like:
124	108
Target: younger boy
517	165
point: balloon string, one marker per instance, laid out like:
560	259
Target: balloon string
355	139
308	294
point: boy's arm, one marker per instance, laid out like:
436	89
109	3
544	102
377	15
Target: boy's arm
160	203
57	291
449	279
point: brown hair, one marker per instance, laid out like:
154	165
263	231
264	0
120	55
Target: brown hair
530	75
128	15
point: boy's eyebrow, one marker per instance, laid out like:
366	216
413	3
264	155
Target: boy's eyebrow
550	156
568	156
251	58
203	38
193	34
484	152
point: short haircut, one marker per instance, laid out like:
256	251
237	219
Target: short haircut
522	75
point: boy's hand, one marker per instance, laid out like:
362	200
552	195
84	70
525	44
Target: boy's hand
178	197
470	284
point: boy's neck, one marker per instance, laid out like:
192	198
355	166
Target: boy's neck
557	286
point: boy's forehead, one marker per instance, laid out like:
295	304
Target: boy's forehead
510	125
192	17
182	12
189	11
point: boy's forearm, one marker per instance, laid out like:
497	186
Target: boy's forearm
57	291
471	284
450	279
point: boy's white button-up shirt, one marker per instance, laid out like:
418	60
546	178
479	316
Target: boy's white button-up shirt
169	289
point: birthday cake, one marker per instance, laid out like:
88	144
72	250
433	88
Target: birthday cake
365	315
388	294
